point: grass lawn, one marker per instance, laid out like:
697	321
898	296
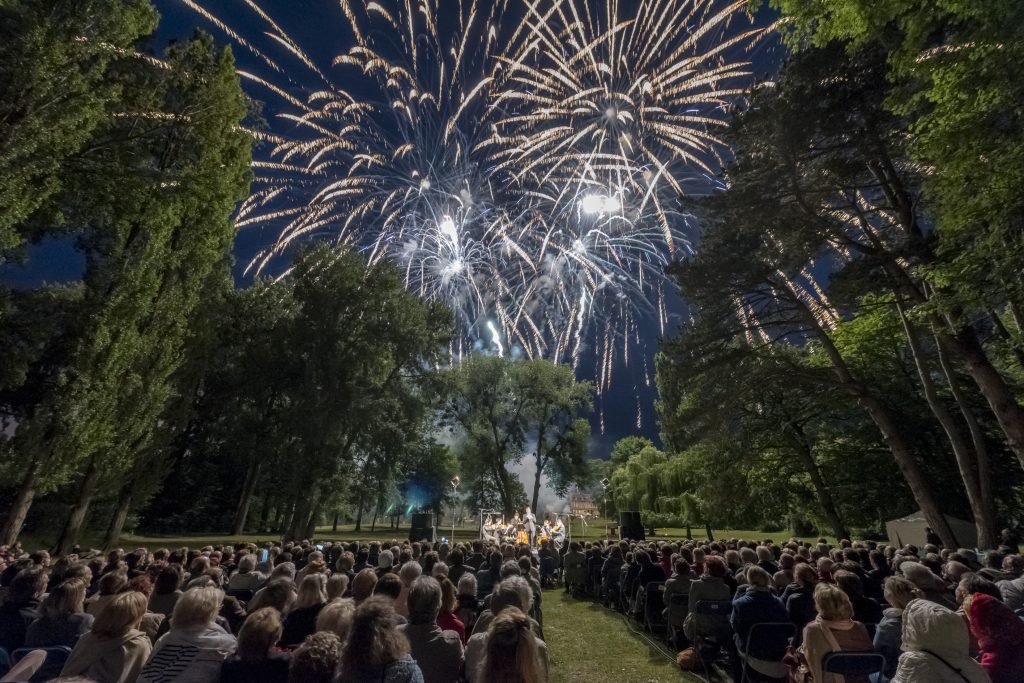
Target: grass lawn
587	642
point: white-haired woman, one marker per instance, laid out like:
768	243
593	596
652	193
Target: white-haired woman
195	648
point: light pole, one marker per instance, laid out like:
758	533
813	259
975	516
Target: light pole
604	503
455	495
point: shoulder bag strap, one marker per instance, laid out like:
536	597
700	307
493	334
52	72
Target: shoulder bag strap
959	672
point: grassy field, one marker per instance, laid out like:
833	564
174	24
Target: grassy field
587	642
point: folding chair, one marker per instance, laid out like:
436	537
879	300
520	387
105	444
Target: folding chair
853	663
675	614
51	666
720	611
575	577
548	571
653	606
767	642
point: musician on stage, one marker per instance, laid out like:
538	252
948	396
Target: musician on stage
531	525
558	532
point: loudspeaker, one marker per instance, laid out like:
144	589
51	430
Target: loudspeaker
630	526
422	527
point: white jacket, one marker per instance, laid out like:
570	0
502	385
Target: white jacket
931	632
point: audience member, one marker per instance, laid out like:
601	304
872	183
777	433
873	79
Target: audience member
438	653
832	630
256	657
1000	636
115	650
62	619
318	660
195	647
888	638
375	650
513	653
935	647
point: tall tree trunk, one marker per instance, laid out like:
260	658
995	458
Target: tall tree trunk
285	528
309	530
252	475
987	524
334	523
962	342
993	386
265	512
359	511
299	518
124	506
966	459
22	503
86	490
889	428
821	490
536	484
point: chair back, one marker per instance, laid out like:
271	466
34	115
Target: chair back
548	566
678	608
853	663
713	608
55	658
768	640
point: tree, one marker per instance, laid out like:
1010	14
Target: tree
155	189
627	447
57	60
556	401
496	404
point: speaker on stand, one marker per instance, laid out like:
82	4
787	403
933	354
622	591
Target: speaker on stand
422	527
630	526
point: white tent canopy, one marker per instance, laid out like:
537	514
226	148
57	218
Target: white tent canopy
911	529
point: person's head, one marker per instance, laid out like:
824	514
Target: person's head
246	563
363	584
515	592
337	584
715	566
113	582
832	603
849	583
424	600
336	616
168	580
312	591
976	583
899	592
511	655
317	660
409	572
467	584
260	632
278	594
196	607
758	578
123	613
67	598
27	585
283	570
993	623
373	642
388	585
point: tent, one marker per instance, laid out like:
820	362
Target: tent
911	529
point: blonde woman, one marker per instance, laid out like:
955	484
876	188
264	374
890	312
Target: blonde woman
336	617
195	647
513	654
257	658
832	630
301	619
115	649
337	586
62	618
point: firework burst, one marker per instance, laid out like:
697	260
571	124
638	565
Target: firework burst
518	159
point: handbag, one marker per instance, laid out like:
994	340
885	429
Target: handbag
799	672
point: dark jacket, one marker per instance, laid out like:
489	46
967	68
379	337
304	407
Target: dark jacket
866	610
800	606
14	620
755	607
300	623
45	632
273	669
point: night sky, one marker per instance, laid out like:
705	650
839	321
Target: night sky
319	27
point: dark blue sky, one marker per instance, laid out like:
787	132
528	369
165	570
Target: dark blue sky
317	25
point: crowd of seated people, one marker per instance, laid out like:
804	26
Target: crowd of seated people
396	612
934	615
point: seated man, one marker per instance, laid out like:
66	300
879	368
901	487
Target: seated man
438	653
709	587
